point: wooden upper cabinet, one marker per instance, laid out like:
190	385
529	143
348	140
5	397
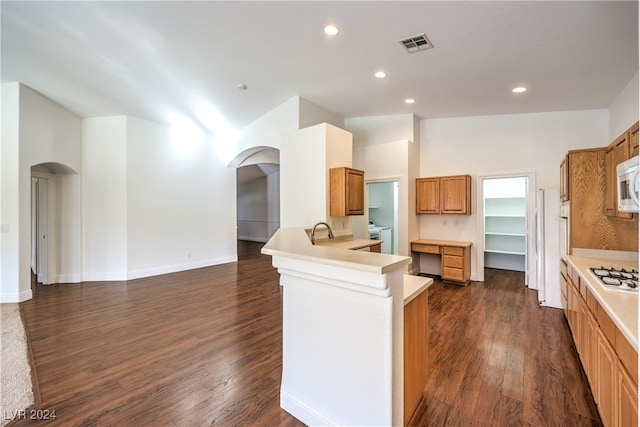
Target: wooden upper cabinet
564	179
428	195
633	140
455	195
617	152
444	195
346	192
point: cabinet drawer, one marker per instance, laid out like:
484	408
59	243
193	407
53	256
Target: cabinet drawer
592	303
428	249
607	326
451	250
563	286
452	261
563	267
575	277
452	274
627	354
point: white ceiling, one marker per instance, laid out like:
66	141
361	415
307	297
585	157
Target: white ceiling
161	60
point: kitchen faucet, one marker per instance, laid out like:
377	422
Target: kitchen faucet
313	232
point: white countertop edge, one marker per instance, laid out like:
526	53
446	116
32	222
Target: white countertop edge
414	286
606	254
621	307
294	243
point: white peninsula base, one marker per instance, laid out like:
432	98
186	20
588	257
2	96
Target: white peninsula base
342	358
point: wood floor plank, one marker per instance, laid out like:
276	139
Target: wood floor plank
189	348
499	359
203	347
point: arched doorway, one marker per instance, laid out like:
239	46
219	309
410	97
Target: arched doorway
257	193
55	223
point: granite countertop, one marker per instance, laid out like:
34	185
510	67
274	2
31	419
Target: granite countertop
294	243
622	307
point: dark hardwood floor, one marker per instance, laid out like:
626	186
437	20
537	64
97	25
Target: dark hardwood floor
203	347
497	358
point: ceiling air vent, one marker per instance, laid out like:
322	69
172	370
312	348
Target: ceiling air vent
416	43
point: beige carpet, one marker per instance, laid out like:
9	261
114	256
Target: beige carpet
16	390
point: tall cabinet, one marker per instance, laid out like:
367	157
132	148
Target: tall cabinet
505	223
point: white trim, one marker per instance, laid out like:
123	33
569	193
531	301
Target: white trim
116	276
305	411
531	200
156	271
68	278
15	298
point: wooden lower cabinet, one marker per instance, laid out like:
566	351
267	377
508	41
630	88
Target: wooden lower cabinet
606	381
376	248
606	356
627	397
416	320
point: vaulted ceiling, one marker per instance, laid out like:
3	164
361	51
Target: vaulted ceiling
165	60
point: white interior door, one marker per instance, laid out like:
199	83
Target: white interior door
42	218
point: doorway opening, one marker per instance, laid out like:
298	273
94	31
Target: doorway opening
55	240
39	227
382	197
505	223
257	193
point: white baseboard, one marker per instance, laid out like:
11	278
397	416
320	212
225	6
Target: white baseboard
156	271
253	239
68	278
16	297
304	410
108	276
414	271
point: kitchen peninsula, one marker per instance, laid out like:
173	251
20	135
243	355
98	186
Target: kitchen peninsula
342	358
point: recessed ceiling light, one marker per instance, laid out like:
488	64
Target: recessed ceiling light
409	101
519	89
331	30
380	74
242	86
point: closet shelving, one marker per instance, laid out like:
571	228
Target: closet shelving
505	225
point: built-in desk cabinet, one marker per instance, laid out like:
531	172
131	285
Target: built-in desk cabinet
609	361
455	257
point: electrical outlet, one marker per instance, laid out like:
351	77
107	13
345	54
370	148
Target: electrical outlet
5	228
457	222
444	222
188	255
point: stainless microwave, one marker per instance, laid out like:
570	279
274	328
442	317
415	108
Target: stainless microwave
628	185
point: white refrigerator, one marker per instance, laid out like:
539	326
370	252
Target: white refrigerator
547	247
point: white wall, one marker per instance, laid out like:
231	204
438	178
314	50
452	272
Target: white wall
10	201
104	199
268	130
382	159
310	114
305	159
35	130
181	201
504	144
624	111
380	129
153	200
